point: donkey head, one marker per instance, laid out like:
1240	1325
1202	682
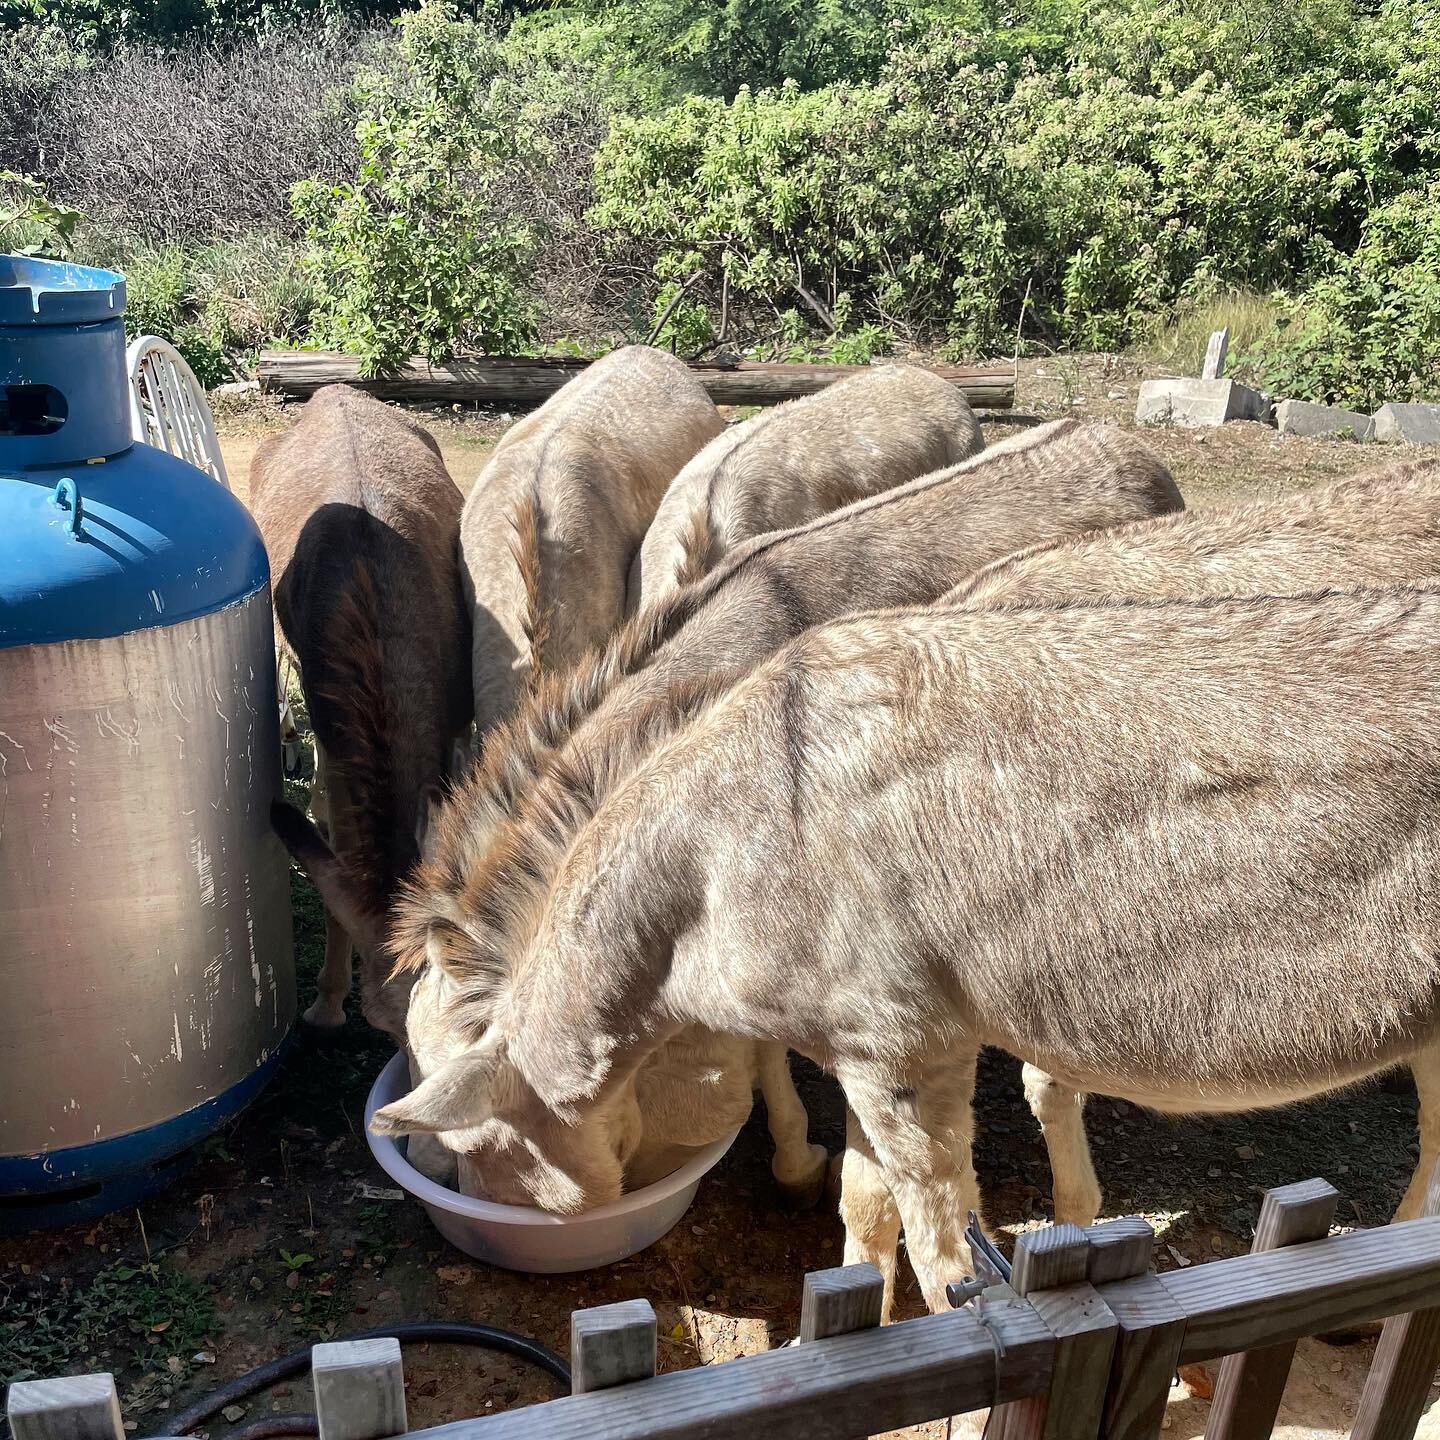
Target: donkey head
513	1147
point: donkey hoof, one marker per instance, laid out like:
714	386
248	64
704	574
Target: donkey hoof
322	1022
803	1192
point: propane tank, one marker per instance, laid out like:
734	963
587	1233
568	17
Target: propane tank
146	962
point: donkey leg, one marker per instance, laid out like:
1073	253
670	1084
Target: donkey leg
1061	1113
332	985
918	1120
1425	1066
798	1166
872	1223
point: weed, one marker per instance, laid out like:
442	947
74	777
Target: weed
147	1317
1251	319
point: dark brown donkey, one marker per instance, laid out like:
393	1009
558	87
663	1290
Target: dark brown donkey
362	523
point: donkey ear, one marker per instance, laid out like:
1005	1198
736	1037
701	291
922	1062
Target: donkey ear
457	1096
308	849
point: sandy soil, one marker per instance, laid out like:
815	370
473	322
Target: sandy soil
294	1174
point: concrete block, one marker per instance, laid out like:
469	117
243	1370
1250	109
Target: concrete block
1408	424
1196	403
1300	417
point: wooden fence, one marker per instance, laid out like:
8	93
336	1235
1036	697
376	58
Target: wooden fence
1083	1343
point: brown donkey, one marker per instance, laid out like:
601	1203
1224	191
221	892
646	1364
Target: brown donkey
361	521
557	515
866	434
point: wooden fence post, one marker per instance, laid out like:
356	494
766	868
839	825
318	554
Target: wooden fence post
840	1301
79	1407
1251	1384
1151	1327
1404	1365
1050	1271
1119	1249
611	1345
359	1389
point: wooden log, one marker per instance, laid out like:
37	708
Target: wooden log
1151	1329
524	382
840	1301
1256	1300
1398	1384
865	1383
78	1407
359	1389
1250	1386
611	1345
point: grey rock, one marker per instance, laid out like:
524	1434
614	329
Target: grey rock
237	387
1194	403
1301	417
1408	424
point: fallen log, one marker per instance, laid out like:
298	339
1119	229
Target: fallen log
522	381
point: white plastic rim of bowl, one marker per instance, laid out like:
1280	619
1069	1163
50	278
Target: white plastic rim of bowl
517	1237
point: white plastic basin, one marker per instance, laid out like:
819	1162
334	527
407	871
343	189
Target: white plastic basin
517	1237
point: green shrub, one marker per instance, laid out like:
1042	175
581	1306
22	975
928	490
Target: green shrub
414	257
31	222
216	303
891	203
1369	331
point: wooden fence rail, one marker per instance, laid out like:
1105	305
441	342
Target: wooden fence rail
1083	1344
524	381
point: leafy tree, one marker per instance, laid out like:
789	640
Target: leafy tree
413	257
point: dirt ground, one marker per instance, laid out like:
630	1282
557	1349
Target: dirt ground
285	1231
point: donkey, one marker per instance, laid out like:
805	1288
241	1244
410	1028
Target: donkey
1182	853
361	519
860	436
557	515
906	545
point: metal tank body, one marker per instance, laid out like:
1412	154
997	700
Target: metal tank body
145	946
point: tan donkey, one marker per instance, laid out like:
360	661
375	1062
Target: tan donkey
361	519
1181	853
557	515
802	459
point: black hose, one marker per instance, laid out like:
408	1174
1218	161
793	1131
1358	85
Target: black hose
294	1423
441	1332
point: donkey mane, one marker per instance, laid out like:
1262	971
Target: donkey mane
487	902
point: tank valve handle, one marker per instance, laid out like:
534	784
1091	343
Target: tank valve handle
67	497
